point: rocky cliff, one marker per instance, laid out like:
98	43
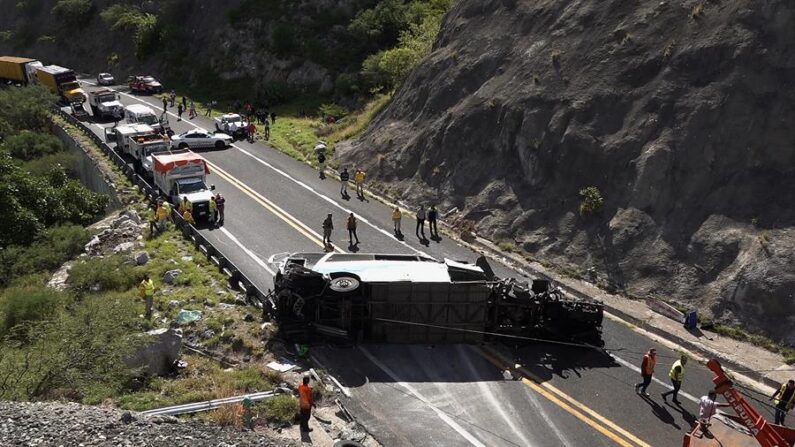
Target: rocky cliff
679	112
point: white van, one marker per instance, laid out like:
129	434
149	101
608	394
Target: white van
140	114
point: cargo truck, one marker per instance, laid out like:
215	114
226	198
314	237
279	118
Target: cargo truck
105	104
61	81
122	135
18	70
141	149
181	174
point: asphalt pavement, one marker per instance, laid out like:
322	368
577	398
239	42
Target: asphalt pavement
442	395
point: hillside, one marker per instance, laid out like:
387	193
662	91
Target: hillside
678	113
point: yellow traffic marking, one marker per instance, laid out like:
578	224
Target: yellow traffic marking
272	207
572	406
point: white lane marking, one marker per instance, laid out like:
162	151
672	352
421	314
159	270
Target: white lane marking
250	253
288	176
631	366
497	405
444	417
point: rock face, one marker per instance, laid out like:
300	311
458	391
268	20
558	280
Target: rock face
53	423
158	357
680	116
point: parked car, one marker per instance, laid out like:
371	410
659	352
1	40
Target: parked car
105	79
232	124
200	139
144	84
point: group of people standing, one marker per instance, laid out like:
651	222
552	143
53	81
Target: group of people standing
352	223
783	398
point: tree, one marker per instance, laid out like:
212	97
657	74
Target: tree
591	200
73	12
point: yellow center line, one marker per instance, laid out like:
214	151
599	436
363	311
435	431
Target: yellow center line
272	207
566	402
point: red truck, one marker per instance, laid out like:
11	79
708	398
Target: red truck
144	84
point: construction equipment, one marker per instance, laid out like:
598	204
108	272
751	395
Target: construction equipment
747	428
61	81
18	70
416	299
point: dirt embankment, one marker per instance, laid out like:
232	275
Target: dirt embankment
679	112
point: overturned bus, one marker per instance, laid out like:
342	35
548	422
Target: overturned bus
416	299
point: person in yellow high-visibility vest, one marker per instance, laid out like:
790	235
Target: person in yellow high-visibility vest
677	375
784	398
147	291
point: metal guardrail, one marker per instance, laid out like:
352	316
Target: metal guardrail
237	279
210	404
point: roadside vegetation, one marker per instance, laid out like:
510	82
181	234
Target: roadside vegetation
72	342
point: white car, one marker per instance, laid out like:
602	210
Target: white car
105	79
232	124
200	139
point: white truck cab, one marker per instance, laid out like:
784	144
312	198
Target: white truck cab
105	104
121	135
181	174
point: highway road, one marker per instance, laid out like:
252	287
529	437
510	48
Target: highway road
440	395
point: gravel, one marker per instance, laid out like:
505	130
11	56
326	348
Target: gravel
71	424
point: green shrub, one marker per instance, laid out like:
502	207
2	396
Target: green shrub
26	304
52	248
591	200
145	27
105	274
281	408
73	12
335	110
42	165
25	109
28	145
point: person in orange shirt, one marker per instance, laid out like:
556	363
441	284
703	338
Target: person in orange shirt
306	402
646	371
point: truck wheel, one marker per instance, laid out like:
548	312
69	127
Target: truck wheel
220	145
344	443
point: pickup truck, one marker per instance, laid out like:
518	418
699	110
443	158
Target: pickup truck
232	124
144	84
121	135
105	104
181	174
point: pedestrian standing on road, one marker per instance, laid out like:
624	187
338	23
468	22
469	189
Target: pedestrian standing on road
358	179
266	129
173	97
397	216
344	177
213	211
306	402
784	399
432	216
320	151
273	117
252	131
352	230
185	102
185	205
707	407
179	112
646	371
677	374
328	225
220	203
165	104
192	113
420	222
210	106
146	289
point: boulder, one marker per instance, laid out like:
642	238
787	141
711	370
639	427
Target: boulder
157	357
92	244
124	246
171	275
133	216
142	258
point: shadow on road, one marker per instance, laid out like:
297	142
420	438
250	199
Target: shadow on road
661	412
563	361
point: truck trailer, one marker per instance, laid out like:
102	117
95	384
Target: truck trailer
19	70
61	81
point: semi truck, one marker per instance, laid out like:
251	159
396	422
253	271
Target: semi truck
181	174
19	70
105	104
61	81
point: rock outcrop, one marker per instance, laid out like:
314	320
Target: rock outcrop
679	112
